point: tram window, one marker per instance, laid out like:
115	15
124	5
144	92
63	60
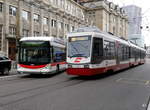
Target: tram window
109	48
120	54
125	52
112	50
132	52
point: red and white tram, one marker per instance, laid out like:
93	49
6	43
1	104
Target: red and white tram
90	52
41	55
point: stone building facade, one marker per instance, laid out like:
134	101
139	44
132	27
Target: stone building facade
20	18
107	16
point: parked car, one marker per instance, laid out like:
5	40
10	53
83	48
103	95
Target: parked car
5	65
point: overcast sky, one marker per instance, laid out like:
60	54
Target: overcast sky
145	5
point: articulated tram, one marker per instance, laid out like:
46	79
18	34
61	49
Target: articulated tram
90	52
41	55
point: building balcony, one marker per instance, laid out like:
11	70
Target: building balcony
9	36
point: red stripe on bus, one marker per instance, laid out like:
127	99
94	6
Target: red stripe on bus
60	63
32	67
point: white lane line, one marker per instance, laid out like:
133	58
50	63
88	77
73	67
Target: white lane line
147	82
12	76
118	80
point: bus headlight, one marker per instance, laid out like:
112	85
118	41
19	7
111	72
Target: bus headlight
86	66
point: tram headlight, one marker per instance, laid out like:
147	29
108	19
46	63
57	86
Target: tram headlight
86	66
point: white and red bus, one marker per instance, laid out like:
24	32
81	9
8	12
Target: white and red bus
90	52
41	55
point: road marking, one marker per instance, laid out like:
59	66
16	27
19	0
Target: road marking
118	80
144	105
133	81
11	76
147	82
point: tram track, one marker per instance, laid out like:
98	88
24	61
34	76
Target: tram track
18	79
25	78
14	97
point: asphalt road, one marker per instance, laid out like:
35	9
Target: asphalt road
125	90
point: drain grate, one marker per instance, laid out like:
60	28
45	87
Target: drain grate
134	81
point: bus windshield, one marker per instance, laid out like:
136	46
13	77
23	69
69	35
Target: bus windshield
79	46
34	52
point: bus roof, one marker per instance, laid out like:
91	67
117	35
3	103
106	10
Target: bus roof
53	40
41	38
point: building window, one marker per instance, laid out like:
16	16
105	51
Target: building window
1	7
1	31
62	3
59	25
62	25
72	28
12	10
25	33
45	21
12	30
25	15
67	27
36	33
36	17
53	23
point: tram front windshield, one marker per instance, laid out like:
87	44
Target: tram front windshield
79	46
34	52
